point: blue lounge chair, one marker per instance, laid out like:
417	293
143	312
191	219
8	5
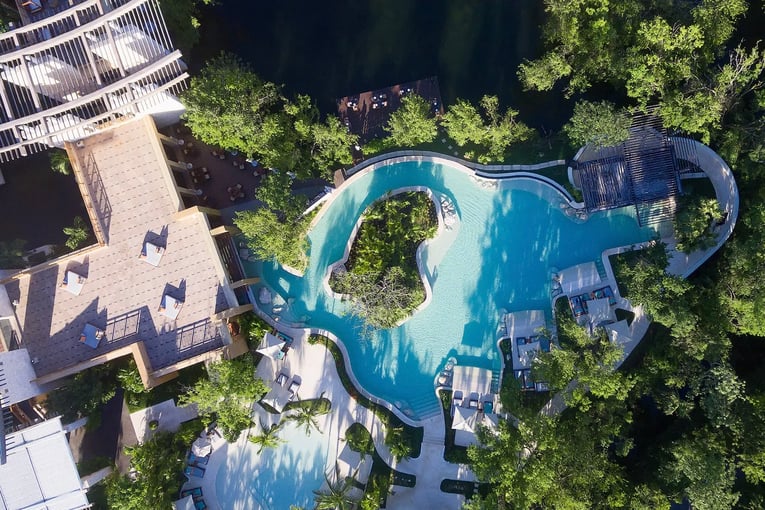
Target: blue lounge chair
610	295
544	344
194	471
200	505
195	492
520	340
576	306
198	461
488	407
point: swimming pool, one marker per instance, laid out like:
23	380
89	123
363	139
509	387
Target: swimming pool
276	477
511	235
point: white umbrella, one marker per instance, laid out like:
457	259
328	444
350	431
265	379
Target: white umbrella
186	503
201	447
464	419
271	345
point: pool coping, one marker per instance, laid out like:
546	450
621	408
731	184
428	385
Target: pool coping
507	172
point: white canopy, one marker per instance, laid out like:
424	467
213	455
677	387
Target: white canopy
599	310
524	323
202	447
186	503
271	345
575	278
619	332
464	419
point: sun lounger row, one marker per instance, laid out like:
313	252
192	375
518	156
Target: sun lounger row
544	342
282	379
579	303
474	402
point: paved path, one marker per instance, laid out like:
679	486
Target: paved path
316	368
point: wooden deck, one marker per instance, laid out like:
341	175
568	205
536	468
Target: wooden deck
367	113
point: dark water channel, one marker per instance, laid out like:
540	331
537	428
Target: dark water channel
331	49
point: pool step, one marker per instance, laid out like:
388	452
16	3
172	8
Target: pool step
601	269
495	381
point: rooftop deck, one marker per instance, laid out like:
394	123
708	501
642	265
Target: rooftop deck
126	181
367	113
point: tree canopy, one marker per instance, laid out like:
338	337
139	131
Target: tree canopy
412	124
229	393
601	124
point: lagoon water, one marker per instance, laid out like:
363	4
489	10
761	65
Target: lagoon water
510	237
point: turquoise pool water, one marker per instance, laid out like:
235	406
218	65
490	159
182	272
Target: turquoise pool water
277	477
511	235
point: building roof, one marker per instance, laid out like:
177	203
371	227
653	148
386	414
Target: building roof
71	70
40	473
131	198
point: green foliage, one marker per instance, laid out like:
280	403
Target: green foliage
11	253
275	191
59	162
268	437
270	238
700	471
332	146
492	131
375	492
182	19
253	328
382	278
83	394
336	496
463	123
398	443
590	360
412	124
359	439
229	393
158	464
306	412
130	379
601	124
694	223
229	106
77	234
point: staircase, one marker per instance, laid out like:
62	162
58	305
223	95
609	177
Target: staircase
426	406
601	269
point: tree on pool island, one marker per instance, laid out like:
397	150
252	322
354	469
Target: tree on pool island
601	124
412	124
306	413
337	495
229	393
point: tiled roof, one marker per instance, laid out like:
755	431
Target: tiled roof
126	179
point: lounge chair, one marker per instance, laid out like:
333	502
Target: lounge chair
294	385
488	407
195	492
457	399
194	471
281	379
520	340
200	505
198	461
544	344
473	403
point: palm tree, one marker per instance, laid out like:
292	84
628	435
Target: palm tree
336	496
59	162
305	415
268	439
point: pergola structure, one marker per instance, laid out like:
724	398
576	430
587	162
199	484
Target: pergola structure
643	171
67	75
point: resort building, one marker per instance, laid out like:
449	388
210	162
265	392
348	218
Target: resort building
159	283
39	472
77	66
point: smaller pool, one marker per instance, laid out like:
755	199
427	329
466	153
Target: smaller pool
277	477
